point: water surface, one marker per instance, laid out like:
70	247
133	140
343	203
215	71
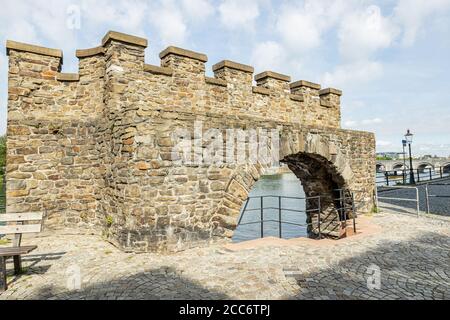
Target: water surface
286	184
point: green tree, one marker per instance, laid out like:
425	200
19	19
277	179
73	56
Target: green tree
383	158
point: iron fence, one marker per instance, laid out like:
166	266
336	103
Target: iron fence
398	200
402	177
430	196
345	200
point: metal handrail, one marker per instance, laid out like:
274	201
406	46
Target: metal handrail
345	195
433	174
285	197
428	195
417	200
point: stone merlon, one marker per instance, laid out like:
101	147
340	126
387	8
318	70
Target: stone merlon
18	46
273	75
83	53
232	65
304	83
330	91
122	37
184	53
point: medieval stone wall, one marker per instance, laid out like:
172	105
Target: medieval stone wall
94	149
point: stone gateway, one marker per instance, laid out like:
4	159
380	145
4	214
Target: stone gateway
94	150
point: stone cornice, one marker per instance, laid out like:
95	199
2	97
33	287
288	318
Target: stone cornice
19	46
184	53
304	83
84	53
217	82
68	77
330	90
233	65
122	37
273	75
158	70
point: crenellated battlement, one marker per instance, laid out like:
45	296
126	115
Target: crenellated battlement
119	52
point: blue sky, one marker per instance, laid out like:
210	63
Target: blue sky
391	57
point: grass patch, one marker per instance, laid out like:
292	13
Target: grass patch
4	241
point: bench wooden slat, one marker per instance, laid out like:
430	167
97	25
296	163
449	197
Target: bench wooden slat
26	228
26	216
11	251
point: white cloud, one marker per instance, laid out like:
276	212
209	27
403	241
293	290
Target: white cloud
197	9
362	33
411	15
126	16
238	14
350	124
169	22
383	143
371	121
353	74
302	26
298	30
268	55
363	123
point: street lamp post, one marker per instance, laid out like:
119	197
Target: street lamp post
404	161
408	138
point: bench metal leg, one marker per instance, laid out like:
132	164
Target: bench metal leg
17	264
3	284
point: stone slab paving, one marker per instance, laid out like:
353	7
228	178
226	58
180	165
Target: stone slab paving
413	257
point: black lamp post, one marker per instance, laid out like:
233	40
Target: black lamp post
408	138
404	161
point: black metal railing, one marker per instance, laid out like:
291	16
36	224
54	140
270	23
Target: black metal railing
430	195
345	202
402	177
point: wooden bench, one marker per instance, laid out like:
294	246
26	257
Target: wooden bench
15	225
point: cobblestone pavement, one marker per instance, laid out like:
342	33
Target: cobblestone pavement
413	256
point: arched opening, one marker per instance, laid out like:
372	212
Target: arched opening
312	185
446	168
425	167
320	177
399	166
380	168
399	169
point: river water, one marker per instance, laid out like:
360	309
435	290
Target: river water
286	184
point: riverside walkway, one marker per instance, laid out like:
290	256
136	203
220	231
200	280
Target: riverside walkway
412	255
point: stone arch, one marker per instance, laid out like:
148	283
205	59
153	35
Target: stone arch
446	167
320	177
423	166
321	168
399	166
225	217
380	167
